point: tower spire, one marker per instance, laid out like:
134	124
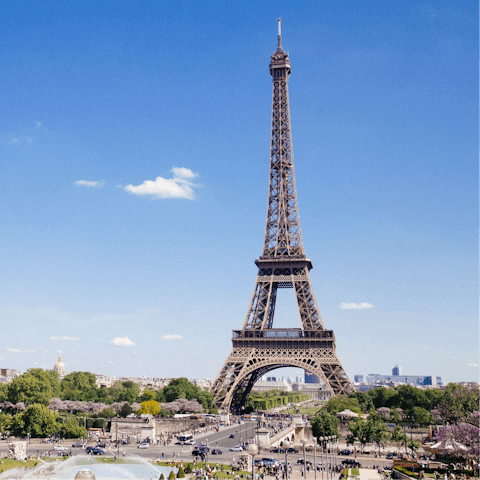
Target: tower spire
279	21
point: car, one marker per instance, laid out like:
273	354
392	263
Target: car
45	440
390	456
142	445
198	453
78	444
238	448
216	451
95	451
300	461
190	442
232	435
58	448
125	442
345	452
278	450
292	450
351	462
269	462
101	445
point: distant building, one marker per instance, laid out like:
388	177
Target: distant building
358	378
311	378
397	370
415	380
262	386
60	368
8	374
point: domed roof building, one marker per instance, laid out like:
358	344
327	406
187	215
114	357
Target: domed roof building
60	368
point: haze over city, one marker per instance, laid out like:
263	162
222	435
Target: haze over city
135	145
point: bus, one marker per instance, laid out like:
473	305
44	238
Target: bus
185	438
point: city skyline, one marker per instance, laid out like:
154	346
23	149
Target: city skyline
136	149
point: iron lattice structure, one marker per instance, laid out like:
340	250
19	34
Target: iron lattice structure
258	347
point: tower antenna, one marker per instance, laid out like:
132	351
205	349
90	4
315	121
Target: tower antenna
279	20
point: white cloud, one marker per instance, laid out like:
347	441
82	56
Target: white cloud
87	183
355	306
472	364
122	342
172	337
177	187
16	350
66	339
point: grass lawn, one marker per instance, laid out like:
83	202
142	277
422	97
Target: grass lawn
227	473
8	463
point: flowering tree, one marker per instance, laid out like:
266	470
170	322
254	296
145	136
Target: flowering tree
465	433
180	405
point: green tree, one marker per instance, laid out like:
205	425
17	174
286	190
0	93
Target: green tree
71	429
125	410
148	394
150	407
409	397
37	420
181	472
189	468
384	397
180	388
458	403
3	392
34	386
171	476
127	391
398	435
342	402
421	416
364	400
79	386
324	424
5	423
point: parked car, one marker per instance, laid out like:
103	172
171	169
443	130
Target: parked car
198	453
345	452
142	445
351	462
292	450
232	435
190	442
300	461
269	462
216	451
101	445
45	440
238	448
278	450
58	448
78	444
390	456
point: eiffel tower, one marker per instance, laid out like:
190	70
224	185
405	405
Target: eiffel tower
258	347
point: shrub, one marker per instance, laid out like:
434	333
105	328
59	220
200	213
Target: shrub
171	476
189	468
181	473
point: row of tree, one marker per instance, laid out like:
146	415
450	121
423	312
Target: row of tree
38	386
419	407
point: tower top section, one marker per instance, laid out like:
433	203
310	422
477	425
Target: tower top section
280	63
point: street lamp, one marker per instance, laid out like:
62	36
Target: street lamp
252	450
315	456
321	445
286	444
328	464
303	441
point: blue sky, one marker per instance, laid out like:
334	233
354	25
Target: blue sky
134	146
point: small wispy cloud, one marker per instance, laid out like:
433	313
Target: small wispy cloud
65	339
472	364
355	306
180	186
172	337
122	342
87	183
16	350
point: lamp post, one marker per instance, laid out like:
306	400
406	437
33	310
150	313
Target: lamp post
252	450
329	461
286	444
315	456
303	441
321	445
